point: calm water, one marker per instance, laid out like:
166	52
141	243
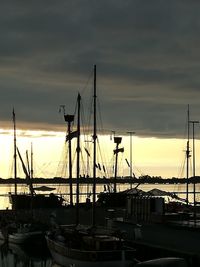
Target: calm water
16	256
63	190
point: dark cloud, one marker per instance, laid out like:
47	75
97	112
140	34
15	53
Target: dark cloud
147	56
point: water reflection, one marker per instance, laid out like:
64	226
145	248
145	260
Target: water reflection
12	255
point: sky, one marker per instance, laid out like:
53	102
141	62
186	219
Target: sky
148	62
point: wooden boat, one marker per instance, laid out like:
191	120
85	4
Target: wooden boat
88	246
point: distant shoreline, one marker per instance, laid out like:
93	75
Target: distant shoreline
119	180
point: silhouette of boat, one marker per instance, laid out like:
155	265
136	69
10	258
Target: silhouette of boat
83	246
88	245
30	200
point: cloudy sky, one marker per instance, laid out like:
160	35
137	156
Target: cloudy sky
148	63
146	52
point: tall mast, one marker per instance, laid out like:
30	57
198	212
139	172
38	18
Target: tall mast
194	174
69	119
94	151
187	155
15	152
78	161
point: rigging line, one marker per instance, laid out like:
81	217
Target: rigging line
111	164
73	160
99	113
105	159
65	158
82	115
183	145
181	169
186	128
86	116
63	164
190	164
85	129
140	171
75	112
83	165
122	164
100	128
91	111
87	82
101	157
90	115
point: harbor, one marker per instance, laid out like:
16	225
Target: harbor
105	225
179	232
179	238
99	133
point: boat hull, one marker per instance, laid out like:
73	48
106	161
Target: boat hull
66	256
26	201
20	238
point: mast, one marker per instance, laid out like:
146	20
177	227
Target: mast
78	161
69	119
31	171
117	141
187	155
94	151
194	174
15	152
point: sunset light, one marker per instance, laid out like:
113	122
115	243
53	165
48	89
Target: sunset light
150	156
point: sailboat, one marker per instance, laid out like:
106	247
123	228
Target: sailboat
30	200
21	229
90	246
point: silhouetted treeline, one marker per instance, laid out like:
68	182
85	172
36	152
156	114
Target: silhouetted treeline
141	180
